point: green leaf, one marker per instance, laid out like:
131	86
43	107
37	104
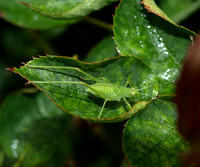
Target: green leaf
179	10
66	8
150	136
76	98
160	44
31	127
103	50
18	14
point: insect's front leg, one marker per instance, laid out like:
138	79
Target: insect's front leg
127	83
127	103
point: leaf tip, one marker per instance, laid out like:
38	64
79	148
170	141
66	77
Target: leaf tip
11	69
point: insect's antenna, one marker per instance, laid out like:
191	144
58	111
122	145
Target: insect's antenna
146	94
65	82
163	102
62	67
148	87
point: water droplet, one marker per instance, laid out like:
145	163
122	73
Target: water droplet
125	33
166	75
137	30
142	45
14	148
160	44
118	50
35	17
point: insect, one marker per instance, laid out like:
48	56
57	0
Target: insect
101	88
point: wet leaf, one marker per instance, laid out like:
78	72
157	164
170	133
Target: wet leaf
159	43
75	97
20	15
150	136
67	8
31	127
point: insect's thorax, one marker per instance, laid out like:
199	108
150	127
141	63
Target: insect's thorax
110	92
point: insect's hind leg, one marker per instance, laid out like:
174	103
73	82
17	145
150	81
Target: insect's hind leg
72	82
63	67
102	108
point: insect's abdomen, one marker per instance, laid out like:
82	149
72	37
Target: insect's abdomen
109	91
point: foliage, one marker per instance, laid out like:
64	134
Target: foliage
128	79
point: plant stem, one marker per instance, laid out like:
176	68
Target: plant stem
98	22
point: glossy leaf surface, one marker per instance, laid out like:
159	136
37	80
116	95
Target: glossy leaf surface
150	136
159	43
66	8
30	129
76	99
20	15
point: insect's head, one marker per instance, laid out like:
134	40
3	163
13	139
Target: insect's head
133	91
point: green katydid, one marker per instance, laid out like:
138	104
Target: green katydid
101	88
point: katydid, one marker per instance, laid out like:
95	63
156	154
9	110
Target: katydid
101	88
